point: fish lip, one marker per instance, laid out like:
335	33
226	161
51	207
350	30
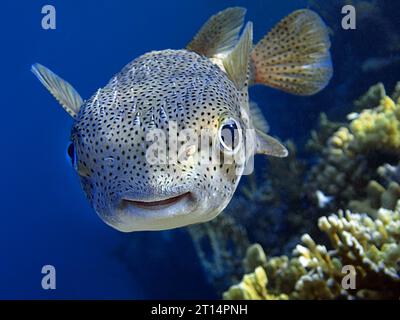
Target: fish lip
153	211
151	204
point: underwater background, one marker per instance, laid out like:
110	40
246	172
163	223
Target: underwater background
350	160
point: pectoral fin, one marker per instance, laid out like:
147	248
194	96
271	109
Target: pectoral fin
65	94
267	145
219	34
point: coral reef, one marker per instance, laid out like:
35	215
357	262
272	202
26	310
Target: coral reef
351	156
252	287
325	130
377	197
356	171
371	98
218	244
396	93
370	248
353	168
378	129
338	173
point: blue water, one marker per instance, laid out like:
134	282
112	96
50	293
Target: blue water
45	218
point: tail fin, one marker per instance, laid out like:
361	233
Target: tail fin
294	56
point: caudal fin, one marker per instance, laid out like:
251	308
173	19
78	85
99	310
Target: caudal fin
294	56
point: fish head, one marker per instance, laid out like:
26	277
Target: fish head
159	149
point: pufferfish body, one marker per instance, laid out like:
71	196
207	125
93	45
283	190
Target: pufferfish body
166	141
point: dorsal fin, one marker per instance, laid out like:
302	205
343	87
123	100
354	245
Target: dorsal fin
236	63
219	34
65	94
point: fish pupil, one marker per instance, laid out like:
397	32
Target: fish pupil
228	134
71	153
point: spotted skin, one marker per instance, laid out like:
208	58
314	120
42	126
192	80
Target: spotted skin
110	130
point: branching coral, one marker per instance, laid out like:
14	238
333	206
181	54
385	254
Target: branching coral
355	171
219	244
351	156
370	248
252	287
371	98
378	129
377	197
280	171
338	171
325	130
396	93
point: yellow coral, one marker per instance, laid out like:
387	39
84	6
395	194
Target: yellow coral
252	287
388	104
349	157
368	241
370	246
377	197
378	129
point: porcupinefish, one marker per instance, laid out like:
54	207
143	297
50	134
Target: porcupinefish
203	87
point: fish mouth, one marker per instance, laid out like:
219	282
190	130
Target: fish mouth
150	213
155	205
138	211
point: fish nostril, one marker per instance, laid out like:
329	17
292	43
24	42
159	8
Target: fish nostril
109	161
109	164
187	154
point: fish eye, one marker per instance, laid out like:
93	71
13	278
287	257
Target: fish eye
72	154
229	135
